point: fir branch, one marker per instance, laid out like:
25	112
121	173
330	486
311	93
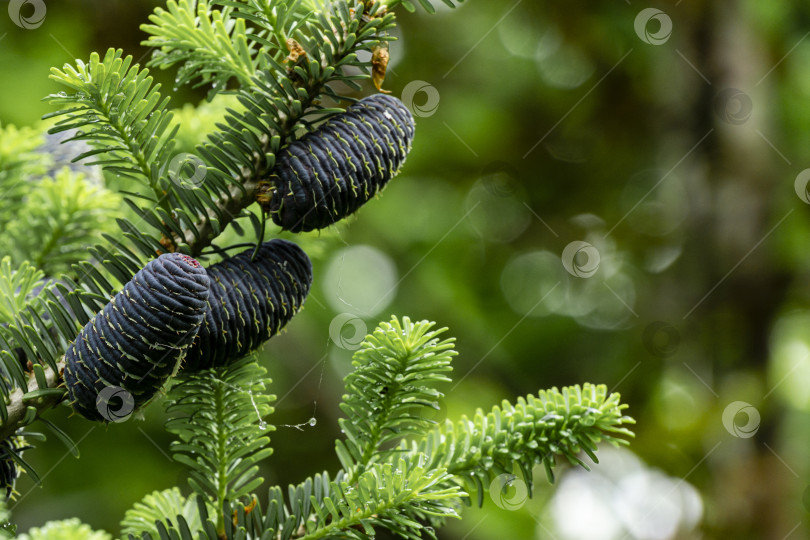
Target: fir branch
161	507
26	405
279	102
210	47
16	286
218	418
394	373
118	109
273	21
455	458
115	106
427	5
393	496
19	163
7	528
67	528
60	217
17	150
398	496
533	431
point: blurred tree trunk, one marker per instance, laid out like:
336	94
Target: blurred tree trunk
735	175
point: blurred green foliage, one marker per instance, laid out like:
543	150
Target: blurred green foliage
555	123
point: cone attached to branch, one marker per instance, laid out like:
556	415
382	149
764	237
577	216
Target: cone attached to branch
330	173
250	302
131	347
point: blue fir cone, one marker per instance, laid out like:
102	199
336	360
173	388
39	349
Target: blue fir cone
9	470
138	340
250	302
331	172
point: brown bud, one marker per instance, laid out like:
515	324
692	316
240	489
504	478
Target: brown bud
379	66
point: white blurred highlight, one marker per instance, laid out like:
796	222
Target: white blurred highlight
361	280
538	284
622	498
